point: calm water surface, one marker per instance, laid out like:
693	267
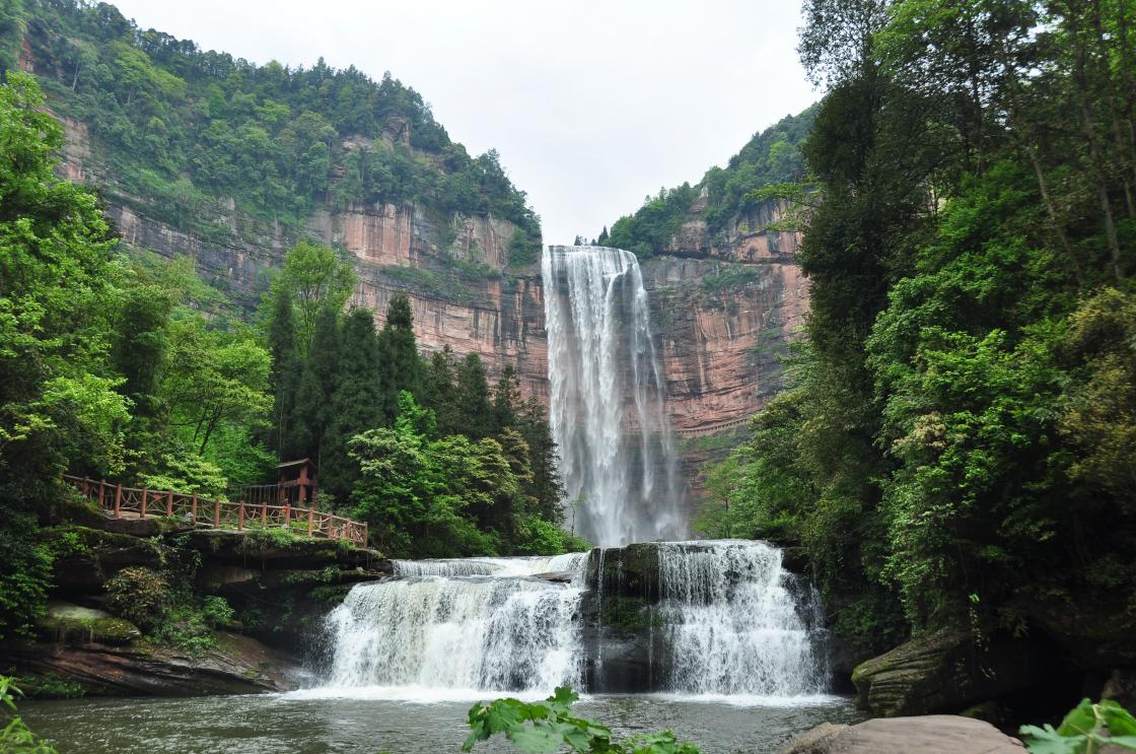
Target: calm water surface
314	723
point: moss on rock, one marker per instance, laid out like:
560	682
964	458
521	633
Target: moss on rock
74	624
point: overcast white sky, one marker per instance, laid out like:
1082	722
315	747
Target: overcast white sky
591	104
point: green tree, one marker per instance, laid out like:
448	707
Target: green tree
316	279
284	376
313	407
59	401
356	403
398	350
474	411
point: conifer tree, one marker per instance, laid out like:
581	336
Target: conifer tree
475	413
438	390
506	399
401	366
356	403
316	388
286	368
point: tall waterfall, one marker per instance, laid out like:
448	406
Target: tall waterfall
616	454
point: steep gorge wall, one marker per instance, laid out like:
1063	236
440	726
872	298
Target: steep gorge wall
724	305
454	269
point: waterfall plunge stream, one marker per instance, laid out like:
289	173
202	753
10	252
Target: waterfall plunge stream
606	393
724	618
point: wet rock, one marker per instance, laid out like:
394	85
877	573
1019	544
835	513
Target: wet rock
930	734
72	624
237	665
947	672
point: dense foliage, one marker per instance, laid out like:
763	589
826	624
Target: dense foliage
439	462
550	726
956	449
771	157
181	131
133	369
15	736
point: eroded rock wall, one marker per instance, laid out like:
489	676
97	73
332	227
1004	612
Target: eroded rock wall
724	304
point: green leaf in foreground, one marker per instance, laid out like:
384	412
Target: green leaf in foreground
549	726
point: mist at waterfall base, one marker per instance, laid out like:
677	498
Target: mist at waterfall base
733	626
606	393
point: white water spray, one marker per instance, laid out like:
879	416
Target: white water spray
736	625
442	627
616	453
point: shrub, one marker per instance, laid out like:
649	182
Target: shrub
15	736
217	612
139	595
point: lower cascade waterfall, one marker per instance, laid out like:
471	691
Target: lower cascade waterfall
461	624
606	390
730	619
736	625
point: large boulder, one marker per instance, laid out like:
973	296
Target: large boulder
930	734
947	672
236	665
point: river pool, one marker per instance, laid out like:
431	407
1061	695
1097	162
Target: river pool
370	721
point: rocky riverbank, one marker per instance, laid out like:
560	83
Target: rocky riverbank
240	611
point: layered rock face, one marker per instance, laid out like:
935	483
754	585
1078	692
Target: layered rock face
723	305
453	268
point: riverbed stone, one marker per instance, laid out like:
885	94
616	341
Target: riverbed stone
946	672
927	734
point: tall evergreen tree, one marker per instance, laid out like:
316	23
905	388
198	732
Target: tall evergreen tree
506	399
438	378
356	403
316	388
286	368
401	365
546	486
474	411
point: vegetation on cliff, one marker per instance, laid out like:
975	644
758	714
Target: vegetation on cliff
179	132
118	368
772	156
956	448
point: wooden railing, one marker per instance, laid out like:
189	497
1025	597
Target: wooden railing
714	429
217	514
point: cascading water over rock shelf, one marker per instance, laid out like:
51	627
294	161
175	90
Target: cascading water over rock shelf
617	458
692	618
720	618
461	624
738	623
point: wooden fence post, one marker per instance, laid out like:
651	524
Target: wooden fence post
102	488
170	503
216	514
311	520
287	514
145	493
241	516
193	510
118	501
263	512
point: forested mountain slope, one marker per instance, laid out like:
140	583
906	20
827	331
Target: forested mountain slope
203	154
955	449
